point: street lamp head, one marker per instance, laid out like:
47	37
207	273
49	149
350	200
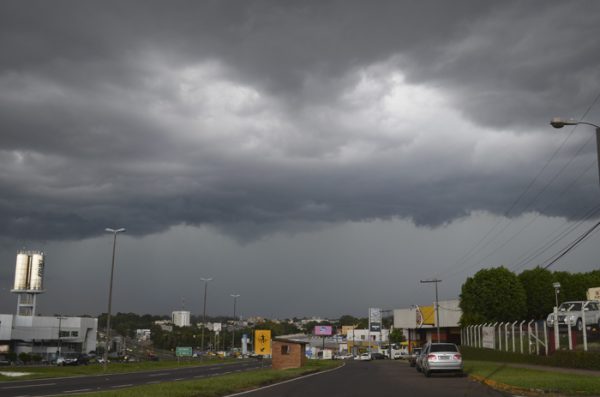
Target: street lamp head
115	231
557	122
206	279
556	285
234	295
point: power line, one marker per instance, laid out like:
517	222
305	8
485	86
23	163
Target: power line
573	245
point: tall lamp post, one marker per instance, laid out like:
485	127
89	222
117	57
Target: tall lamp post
557	122
110	288
206	280
234	296
437	308
60	318
556	334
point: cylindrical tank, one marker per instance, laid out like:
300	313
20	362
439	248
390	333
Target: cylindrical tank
37	271
21	271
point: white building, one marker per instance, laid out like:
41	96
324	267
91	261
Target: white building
181	318
364	335
46	336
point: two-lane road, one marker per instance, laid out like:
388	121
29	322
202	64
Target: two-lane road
83	384
376	378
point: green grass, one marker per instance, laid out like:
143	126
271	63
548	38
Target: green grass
220	385
97	369
536	380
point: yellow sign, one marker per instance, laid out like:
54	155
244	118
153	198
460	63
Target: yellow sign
262	342
428	315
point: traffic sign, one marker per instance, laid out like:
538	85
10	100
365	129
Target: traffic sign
183	352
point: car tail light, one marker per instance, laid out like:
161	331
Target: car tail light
432	357
457	357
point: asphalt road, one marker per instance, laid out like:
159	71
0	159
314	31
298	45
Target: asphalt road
381	378
83	384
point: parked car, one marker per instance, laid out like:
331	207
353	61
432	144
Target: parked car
62	361
412	358
569	313
378	356
441	357
419	360
363	357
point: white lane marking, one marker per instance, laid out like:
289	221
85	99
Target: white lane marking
178	379
199	376
127	385
21	387
285	381
161	374
153	382
76	391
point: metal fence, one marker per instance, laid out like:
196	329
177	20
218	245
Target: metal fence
530	337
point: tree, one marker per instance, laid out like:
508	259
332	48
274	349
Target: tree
494	294
396	336
539	291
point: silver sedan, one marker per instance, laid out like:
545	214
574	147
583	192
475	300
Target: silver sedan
441	357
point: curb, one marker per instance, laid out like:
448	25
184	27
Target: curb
514	390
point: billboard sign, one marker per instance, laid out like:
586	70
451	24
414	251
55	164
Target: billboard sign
593	294
262	342
374	319
323	330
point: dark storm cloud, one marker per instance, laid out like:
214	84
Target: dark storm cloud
251	116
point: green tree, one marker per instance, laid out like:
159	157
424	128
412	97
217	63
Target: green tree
494	294
396	336
539	291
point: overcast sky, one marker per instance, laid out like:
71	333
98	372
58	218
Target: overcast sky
316	157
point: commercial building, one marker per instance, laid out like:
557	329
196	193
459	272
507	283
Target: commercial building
46	336
419	323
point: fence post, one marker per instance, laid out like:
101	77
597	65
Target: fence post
513	336
545	337
521	335
480	334
500	336
569	334
506	336
537	339
494	325
529	332
584	327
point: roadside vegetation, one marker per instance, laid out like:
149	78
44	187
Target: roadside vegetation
529	381
221	385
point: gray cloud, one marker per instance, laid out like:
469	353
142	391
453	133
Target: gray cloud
256	116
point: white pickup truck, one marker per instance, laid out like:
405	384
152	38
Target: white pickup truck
570	313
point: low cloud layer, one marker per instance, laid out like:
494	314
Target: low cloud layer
259	116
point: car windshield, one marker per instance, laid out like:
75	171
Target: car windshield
570	306
443	347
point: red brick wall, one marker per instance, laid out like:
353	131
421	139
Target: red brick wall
294	359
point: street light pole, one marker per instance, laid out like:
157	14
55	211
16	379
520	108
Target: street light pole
557	122
437	308
110	288
206	280
234	296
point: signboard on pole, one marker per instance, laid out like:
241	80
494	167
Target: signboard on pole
262	342
374	319
593	294
323	330
183	352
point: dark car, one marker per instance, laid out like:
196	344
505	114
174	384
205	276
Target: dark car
377	356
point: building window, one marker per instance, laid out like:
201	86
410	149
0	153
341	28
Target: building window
74	333
285	349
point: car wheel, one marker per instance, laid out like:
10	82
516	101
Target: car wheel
579	325
427	373
417	368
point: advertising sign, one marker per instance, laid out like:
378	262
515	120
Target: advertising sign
217	327
488	337
323	330
374	319
183	352
262	342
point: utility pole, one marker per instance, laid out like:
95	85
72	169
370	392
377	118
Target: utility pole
206	280
437	308
234	296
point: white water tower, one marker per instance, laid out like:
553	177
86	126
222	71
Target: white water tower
29	281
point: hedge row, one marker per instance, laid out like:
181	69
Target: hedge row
562	358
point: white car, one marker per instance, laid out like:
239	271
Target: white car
363	357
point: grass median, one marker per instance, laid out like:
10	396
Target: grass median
42	372
530	381
220	385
